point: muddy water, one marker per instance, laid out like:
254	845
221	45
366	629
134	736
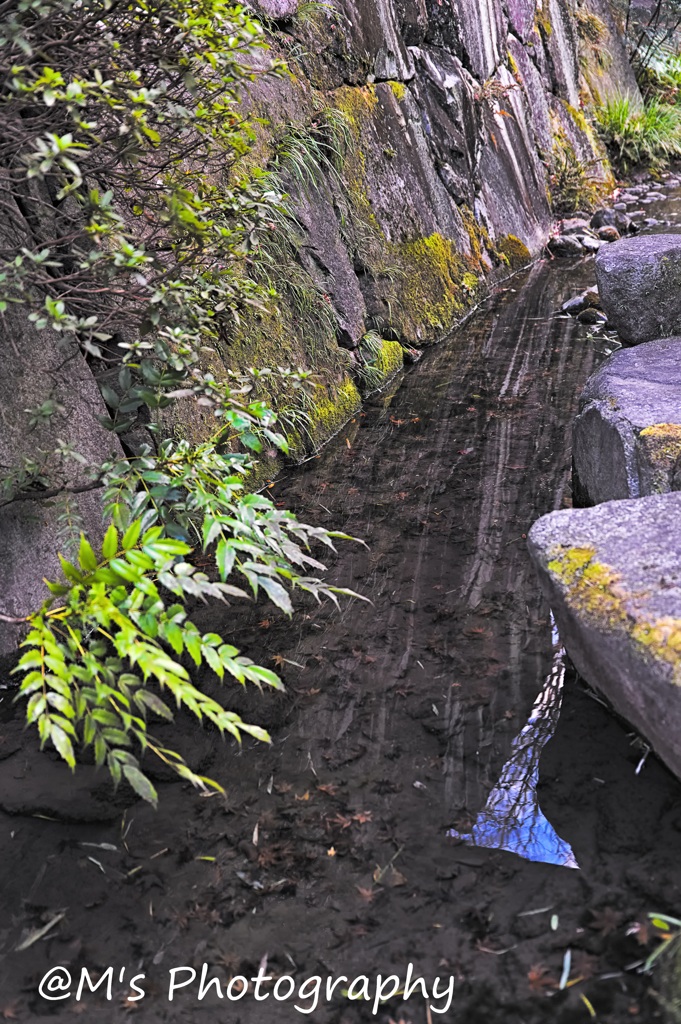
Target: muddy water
422	800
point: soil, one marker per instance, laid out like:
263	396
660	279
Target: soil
337	850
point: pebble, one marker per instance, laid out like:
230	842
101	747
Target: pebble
590	243
565	245
608	233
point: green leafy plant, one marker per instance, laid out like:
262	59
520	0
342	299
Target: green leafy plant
640	134
131	230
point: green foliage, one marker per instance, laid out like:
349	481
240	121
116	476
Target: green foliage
640	135
131	230
571	185
108	643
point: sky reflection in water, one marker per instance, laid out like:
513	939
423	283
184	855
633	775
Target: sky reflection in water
512	819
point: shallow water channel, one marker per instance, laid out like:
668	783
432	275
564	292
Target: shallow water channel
422	800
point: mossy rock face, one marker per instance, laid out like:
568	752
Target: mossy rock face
333	410
516	252
612	575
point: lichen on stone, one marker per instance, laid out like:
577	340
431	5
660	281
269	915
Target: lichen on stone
596	591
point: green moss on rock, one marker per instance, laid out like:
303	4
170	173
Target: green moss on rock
596	591
337	406
514	250
438	281
398	90
661	446
390	358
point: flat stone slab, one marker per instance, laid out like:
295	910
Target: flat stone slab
612	575
627	436
639	282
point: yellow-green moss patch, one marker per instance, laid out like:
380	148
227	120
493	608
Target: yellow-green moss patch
398	90
596	590
516	252
662	444
438	281
390	359
336	408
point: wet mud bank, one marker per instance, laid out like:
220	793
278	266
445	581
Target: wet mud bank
415	805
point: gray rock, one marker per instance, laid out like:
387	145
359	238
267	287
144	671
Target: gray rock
565	245
639	281
278	8
603	218
575	305
612	575
620	206
627	436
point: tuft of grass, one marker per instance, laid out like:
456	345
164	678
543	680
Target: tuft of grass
572	186
640	135
305	152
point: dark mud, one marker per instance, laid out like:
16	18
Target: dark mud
349	846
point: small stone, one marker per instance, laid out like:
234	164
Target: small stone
592	316
620	206
592	298
608	234
651	222
574	306
564	246
603	218
656	196
590	243
574	226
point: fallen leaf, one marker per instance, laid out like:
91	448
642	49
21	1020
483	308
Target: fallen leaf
366	894
304	797
389	877
540	979
331	852
362	817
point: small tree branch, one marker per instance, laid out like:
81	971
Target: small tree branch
93	485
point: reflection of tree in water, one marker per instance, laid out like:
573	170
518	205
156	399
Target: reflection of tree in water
512	819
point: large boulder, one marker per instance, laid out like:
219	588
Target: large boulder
612	575
639	281
627	436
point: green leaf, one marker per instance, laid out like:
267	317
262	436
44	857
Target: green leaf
224	558
70	570
131	535
264	675
63	744
276	593
86	556
141	784
110	543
